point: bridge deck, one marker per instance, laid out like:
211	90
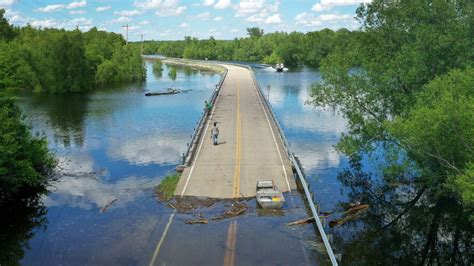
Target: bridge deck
249	149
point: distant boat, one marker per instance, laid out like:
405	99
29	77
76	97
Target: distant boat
279	67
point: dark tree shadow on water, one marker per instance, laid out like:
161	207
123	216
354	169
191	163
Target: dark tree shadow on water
20	219
406	224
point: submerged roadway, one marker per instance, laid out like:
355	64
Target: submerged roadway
250	149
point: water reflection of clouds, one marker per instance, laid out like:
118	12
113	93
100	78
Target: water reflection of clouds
79	186
77	162
158	149
316	121
88	192
316	156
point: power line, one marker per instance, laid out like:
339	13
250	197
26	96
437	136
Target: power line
39	5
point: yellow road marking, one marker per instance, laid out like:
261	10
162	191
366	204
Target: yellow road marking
229	255
238	147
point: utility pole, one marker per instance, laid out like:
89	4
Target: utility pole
126	29
141	47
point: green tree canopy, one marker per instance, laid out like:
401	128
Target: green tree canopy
25	162
255	32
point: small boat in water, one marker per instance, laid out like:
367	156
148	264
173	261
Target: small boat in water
268	196
279	67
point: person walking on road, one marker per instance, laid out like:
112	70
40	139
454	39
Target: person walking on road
207	107
215	134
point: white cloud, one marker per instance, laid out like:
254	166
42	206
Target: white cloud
58	7
258	11
52	8
203	16
121	20
184	25
44	23
77	12
274	19
246	7
221	4
328	4
145	22
219	18
171	12
82	21
327	20
103	8
6	3
208	2
14	16
164	8
128	13
73	5
255	19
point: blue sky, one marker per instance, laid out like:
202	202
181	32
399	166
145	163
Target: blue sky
174	19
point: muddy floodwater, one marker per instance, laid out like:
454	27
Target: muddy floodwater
115	145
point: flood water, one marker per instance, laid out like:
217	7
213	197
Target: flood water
115	145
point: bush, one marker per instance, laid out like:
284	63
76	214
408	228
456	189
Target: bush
25	162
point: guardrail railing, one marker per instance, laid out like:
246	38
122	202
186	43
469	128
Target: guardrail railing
299	172
188	156
195	138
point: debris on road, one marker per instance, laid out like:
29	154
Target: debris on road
197	221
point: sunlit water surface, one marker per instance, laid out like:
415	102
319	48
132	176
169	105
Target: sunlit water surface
115	145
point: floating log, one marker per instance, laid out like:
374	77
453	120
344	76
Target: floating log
197	221
302	221
107	206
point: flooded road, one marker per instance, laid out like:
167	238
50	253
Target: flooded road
114	146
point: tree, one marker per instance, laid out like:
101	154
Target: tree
255	32
438	133
25	162
416	125
6	30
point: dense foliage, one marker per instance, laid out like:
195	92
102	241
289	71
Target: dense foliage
64	61
413	90
406	87
292	49
25	162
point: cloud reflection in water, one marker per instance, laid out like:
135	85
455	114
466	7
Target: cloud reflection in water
157	149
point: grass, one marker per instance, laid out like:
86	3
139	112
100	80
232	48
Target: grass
166	188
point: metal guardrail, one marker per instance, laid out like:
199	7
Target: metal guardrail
299	172
197	132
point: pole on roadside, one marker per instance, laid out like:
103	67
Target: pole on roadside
126	30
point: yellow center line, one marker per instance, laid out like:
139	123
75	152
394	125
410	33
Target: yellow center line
236	190
229	256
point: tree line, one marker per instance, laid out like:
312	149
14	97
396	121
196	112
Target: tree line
406	87
293	49
57	60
